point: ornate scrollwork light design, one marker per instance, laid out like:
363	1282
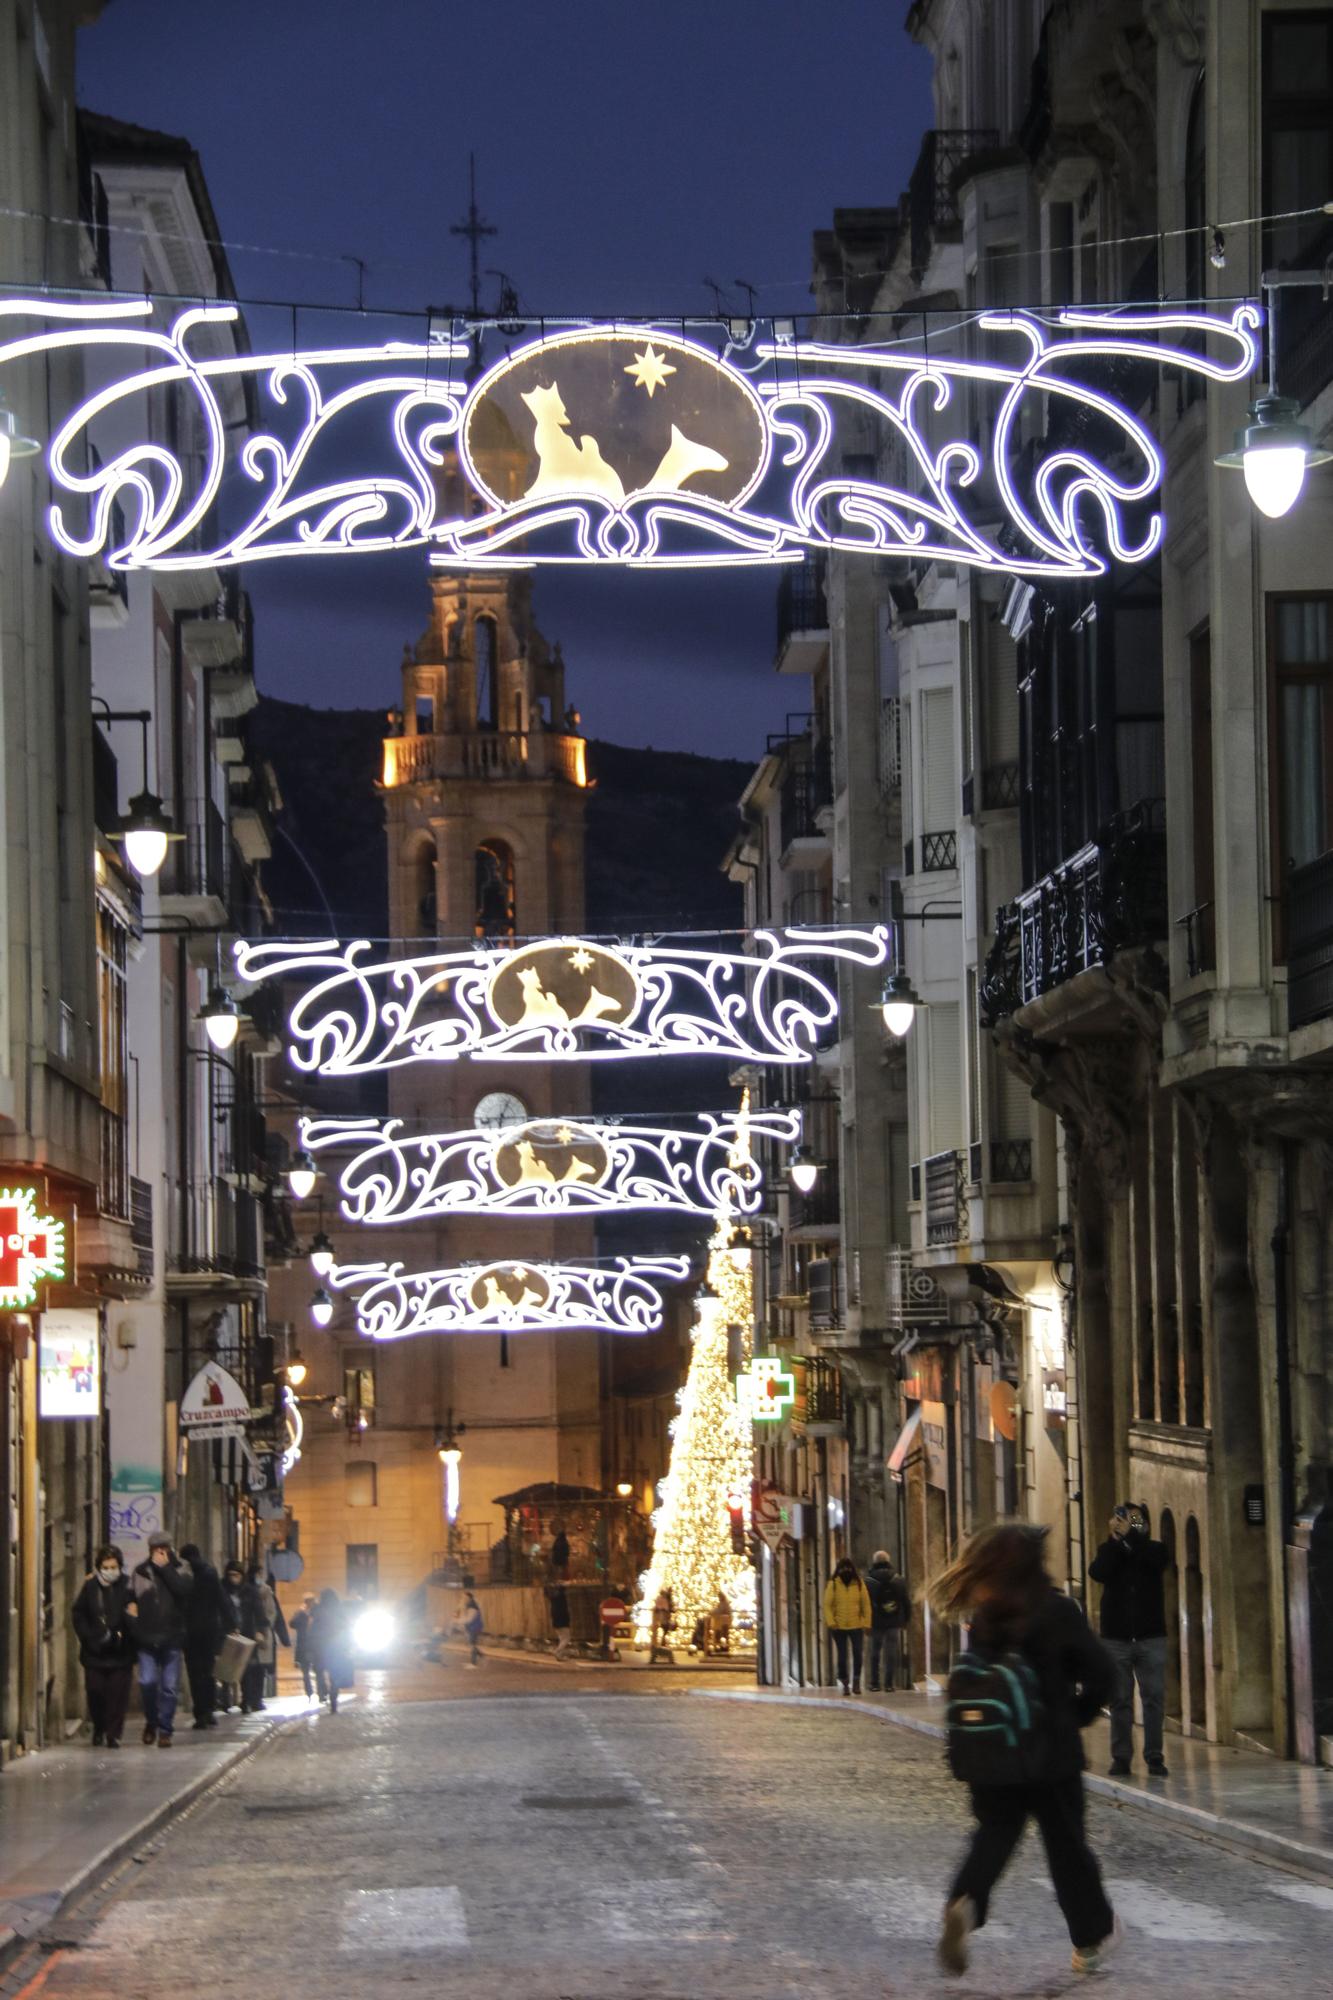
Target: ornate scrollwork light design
637	446
510	1296
550	1166
561	1000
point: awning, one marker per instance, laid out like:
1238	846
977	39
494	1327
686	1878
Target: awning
898	1456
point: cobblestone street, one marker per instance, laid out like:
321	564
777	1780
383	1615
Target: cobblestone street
537	1839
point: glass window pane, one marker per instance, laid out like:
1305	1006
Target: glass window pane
1303	816
1299	58
1302	631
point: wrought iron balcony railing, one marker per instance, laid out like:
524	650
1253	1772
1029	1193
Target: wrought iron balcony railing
1310	942
932	202
802	606
947	1212
821	1208
912	1297
1109	897
807	788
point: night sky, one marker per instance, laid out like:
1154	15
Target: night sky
625	152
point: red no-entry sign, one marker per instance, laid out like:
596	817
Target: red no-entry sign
614	1611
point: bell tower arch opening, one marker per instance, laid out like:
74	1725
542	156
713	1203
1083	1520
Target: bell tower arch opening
486	662
494	901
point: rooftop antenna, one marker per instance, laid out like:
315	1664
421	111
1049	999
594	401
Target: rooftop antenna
474	229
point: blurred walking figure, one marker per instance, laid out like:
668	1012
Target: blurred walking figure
106	1645
331	1646
889	1612
272	1633
207	1622
160	1591
301	1642
1130	1567
472	1622
664	1619
847	1615
246	1610
1033	1677
558	1598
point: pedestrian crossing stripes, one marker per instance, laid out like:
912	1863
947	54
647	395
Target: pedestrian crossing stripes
404	1920
896	1909
1157	1914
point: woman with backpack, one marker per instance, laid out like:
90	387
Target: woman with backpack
1033	1677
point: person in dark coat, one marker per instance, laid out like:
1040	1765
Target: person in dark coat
1130	1567
889	1612
999	1584
331	1644
302	1621
106	1645
245	1609
207	1622
160	1591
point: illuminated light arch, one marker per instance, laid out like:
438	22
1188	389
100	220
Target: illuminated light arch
752	471
550	1166
510	1295
561	1000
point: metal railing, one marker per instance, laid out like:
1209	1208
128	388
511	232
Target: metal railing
999	787
141	1224
821	1208
1109	897
807	788
485	753
1011	1159
802	606
912	1297
199	864
890	745
216	1230
932	204
1310	942
113	1188
1200	939
938	851
947	1212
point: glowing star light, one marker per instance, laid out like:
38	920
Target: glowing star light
510	1297
563	1000
649	370
550	1167
746	460
32	1249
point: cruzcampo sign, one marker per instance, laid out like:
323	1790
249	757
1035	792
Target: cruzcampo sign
214	1405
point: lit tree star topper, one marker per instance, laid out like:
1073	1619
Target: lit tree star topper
650	370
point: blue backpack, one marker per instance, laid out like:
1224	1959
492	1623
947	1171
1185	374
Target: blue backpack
994	1719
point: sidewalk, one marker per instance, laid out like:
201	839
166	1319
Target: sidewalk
69	1813
1264	1807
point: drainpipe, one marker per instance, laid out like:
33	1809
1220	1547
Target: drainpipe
1281	1247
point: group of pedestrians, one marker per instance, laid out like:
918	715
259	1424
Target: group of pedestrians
1032	1678
173	1612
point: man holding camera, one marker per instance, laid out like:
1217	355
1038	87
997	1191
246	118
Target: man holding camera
1130	1567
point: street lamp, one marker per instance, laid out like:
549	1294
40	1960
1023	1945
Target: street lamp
1274	451
321	1307
296	1370
221	1017
804	1170
898	1004
302	1175
321	1254
624	1488
146	829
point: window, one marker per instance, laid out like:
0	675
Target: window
363	1570
362	1489
493	882
112	939
1300	738
945	1077
359	1383
486	660
1297	175
423	903
1200	941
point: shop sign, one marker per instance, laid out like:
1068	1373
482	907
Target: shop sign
934	1436
32	1249
214	1405
69	1353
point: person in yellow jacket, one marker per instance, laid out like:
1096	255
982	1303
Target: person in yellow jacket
847	1615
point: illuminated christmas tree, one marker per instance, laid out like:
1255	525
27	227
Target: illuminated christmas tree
712	1455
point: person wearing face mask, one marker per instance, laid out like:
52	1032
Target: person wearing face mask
106	1646
1130	1567
847	1615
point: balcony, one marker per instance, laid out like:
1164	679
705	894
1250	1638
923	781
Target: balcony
1310	942
141	1225
806	792
252	821
932	203
947	1214
890	746
1107	898
217	1240
802	616
912	1297
824	1411
484	754
196	875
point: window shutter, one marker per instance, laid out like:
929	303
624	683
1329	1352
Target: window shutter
945	1077
939	790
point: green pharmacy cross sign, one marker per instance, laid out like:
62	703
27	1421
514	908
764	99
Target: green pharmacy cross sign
766	1391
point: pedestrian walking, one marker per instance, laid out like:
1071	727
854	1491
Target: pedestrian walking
160	1590
847	1616
302	1651
558	1599
246	1616
271	1634
331	1646
890	1609
206	1626
1033	1677
1130	1567
106	1645
472	1625
664	1619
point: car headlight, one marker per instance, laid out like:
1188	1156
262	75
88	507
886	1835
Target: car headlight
374	1630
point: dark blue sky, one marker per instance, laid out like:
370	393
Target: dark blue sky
625	152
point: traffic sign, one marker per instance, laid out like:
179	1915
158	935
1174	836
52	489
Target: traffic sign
614	1611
